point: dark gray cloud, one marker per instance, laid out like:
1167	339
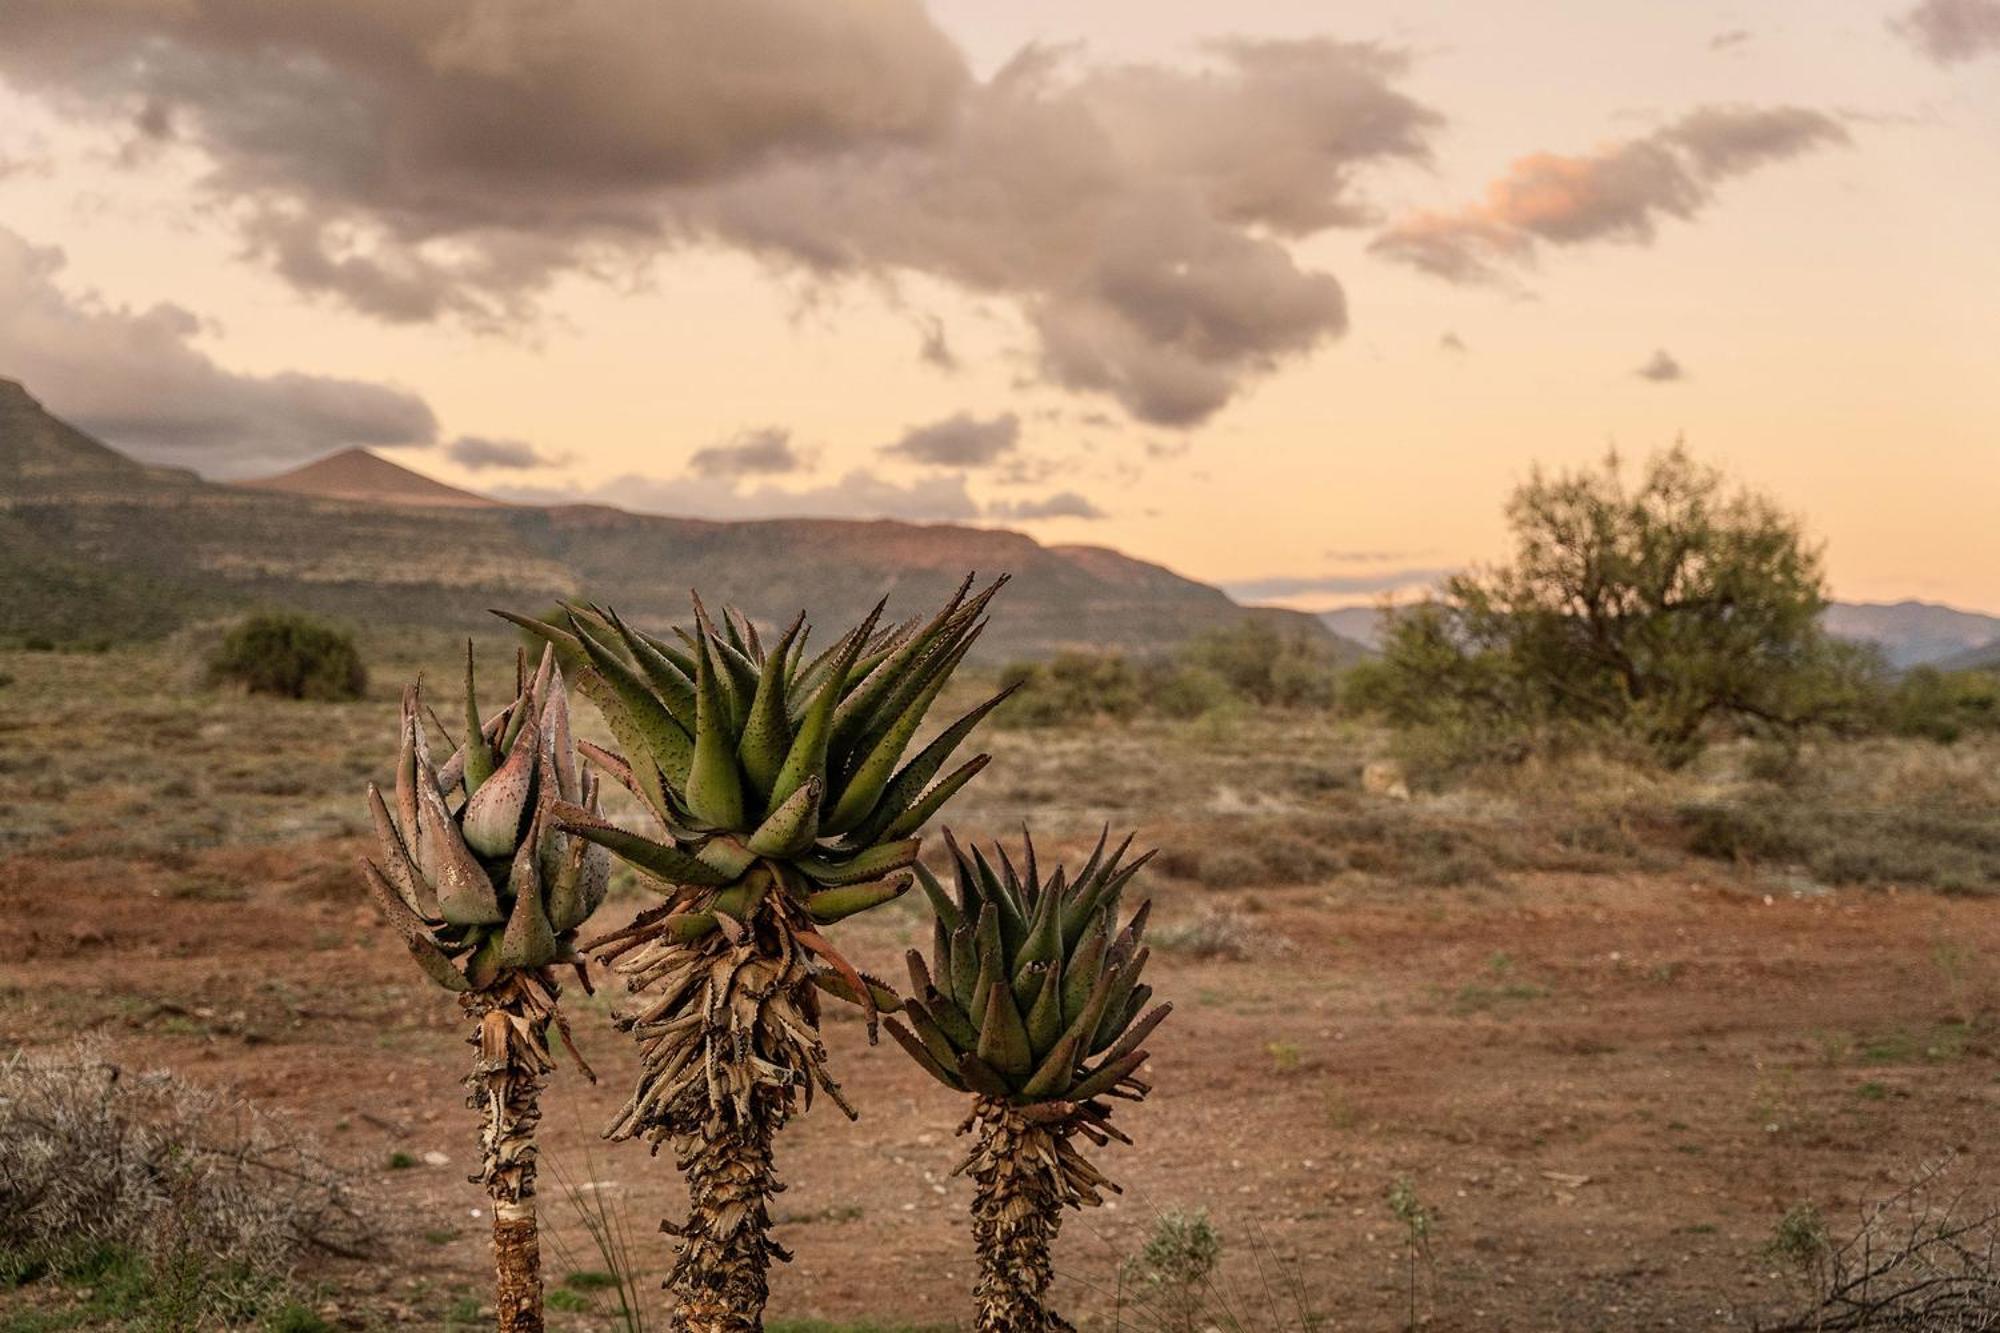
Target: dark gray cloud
1286	585
137	379
481	454
960	441
1951	31
426	160
1661	368
765	452
1063	504
858	494
1620	192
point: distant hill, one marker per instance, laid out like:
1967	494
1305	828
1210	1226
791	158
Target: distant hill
357	474
1912	633
1986	658
1360	624
1909	633
93	543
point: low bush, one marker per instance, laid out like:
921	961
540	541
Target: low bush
1249	664
292	657
192	1203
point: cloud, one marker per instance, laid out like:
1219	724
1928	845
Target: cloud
858	494
480	454
959	441
1951	31
765	452
1619	192
138	379
1063	504
1452	343
1661	368
1724	41
1286	585
434	160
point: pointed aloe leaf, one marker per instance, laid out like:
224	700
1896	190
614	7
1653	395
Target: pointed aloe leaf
879	860
652	729
876	687
791	828
767	732
715	784
478	755
908	785
1106	1077
921	1054
672	685
1003	1036
1052	1077
807	756
941	904
669	864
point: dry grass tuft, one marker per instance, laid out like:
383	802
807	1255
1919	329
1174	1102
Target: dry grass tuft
98	1157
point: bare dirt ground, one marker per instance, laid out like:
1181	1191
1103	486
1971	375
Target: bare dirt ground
1609	1076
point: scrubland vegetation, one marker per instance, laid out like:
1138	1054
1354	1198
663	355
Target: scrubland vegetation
1531	975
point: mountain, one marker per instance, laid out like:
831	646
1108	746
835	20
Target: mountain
93	544
1912	633
1359	624
1986	658
357	474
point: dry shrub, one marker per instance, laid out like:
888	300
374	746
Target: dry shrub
1216	933
1924	1260
97	1157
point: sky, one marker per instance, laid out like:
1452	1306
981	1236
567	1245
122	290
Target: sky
1285	296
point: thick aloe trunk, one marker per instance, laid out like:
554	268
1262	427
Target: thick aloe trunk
720	1276
1017	1170
510	1067
728	1033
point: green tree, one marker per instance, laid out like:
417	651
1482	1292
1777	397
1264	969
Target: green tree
1661	610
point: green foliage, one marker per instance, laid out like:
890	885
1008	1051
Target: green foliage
1176	1269
1957	851
1032	992
1662	611
1248	664
292	657
1942	705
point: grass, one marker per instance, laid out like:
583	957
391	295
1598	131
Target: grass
117	1287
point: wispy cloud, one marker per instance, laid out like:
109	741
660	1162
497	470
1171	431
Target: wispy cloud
764	452
961	441
1063	504
1347	585
1661	368
1619	192
482	455
137	378
856	494
1952	31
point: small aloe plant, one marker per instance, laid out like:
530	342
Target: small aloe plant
1031	1003
487	890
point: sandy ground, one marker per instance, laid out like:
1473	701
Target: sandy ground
1608	1086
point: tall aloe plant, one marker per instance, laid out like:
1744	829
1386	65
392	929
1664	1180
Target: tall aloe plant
784	802
487	891
1031	1003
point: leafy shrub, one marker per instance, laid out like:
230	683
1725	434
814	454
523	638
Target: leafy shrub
1248	664
1943	705
293	657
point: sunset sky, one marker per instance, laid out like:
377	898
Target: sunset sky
1283	295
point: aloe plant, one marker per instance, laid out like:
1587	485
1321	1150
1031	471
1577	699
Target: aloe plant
784	802
1031	1004
487	892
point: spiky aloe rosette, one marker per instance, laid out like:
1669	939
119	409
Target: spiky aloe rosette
1032	1003
488	891
785	802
